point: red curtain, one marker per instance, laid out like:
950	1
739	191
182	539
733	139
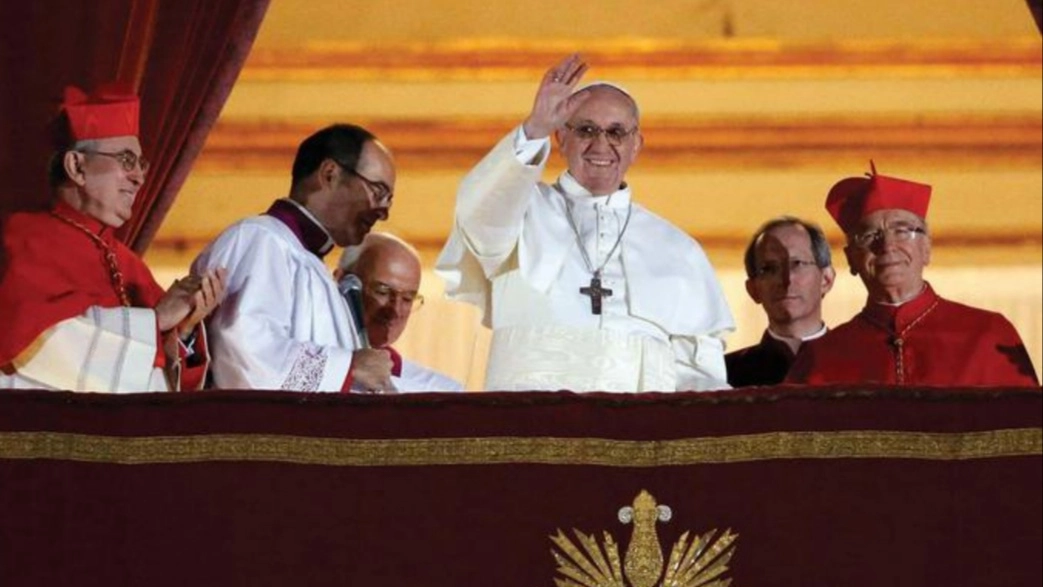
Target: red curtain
838	487
1036	8
46	45
183	56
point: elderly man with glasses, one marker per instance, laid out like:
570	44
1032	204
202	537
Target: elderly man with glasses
789	271
583	288
285	325
388	271
80	311
906	334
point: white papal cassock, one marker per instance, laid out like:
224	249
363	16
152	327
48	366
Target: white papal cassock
283	324
513	253
418	378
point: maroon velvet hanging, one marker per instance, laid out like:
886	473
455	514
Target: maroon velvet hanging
183	57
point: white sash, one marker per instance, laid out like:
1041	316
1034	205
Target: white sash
531	358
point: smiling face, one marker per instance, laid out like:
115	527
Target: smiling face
597	164
106	190
353	202
789	284
891	269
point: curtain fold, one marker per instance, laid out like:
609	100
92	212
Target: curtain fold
183	56
1036	8
198	51
44	46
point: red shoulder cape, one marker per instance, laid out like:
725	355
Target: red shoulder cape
51	271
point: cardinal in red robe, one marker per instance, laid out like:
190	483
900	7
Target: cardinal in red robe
906	334
80	310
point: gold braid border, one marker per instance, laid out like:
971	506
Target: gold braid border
340	452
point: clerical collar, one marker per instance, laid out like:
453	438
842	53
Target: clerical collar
305	226
923	288
898	316
91	223
574	191
794	342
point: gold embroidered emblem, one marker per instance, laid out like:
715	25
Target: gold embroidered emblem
699	562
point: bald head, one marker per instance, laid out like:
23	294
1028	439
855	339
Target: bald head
609	88
375	244
390	271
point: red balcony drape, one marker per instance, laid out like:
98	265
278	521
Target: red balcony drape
183	57
847	486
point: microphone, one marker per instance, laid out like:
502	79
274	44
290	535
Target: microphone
350	286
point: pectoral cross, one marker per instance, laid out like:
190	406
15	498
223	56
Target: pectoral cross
596	292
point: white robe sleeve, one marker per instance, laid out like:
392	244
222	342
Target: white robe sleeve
699	361
251	334
490	210
493	198
417	378
103	350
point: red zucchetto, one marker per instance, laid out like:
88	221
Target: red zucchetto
112	110
853	198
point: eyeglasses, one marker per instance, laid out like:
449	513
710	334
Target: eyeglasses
380	190
773	270
385	294
900	233
128	159
615	135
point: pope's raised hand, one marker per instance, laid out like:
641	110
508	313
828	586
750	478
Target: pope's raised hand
555	102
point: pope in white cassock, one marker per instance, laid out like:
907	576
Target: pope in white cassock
584	289
284	324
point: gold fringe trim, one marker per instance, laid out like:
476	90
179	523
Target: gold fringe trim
340	452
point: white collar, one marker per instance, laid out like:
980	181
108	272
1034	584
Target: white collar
581	196
903	302
794	342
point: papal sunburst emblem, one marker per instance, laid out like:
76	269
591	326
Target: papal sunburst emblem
700	561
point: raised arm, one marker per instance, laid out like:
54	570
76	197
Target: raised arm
555	101
494	196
